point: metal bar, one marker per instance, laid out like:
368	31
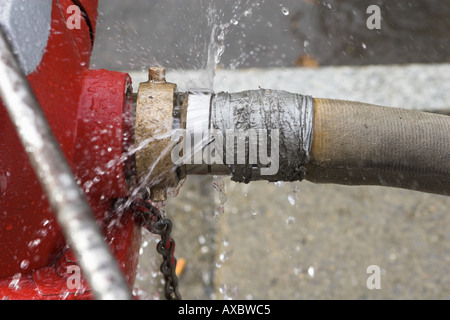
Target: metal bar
68	203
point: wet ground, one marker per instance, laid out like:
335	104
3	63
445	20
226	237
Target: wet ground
296	240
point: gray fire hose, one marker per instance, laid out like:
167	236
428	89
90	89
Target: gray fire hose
320	140
361	144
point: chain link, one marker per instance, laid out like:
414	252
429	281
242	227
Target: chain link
155	222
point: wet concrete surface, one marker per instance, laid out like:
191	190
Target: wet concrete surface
306	241
309	241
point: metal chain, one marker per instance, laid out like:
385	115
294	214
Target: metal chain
154	221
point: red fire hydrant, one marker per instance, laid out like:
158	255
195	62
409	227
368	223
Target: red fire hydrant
89	112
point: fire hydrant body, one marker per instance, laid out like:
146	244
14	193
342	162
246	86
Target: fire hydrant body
89	112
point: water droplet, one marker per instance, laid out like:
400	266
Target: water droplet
291	200
14	284
285	11
42	232
201	239
234	22
279	183
88	184
219	186
110	164
364	46
206	277
311	272
65	295
290	220
224	256
24	264
33	244
204	249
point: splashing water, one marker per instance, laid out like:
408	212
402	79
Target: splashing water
216	46
219	186
215	49
220	27
285	11
209	46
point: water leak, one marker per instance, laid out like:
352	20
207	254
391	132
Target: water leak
218	26
219	186
204	52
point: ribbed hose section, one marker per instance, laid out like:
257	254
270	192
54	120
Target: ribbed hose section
362	144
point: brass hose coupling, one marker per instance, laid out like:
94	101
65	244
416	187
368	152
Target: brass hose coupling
154	122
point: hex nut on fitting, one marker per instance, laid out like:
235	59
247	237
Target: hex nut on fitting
153	128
